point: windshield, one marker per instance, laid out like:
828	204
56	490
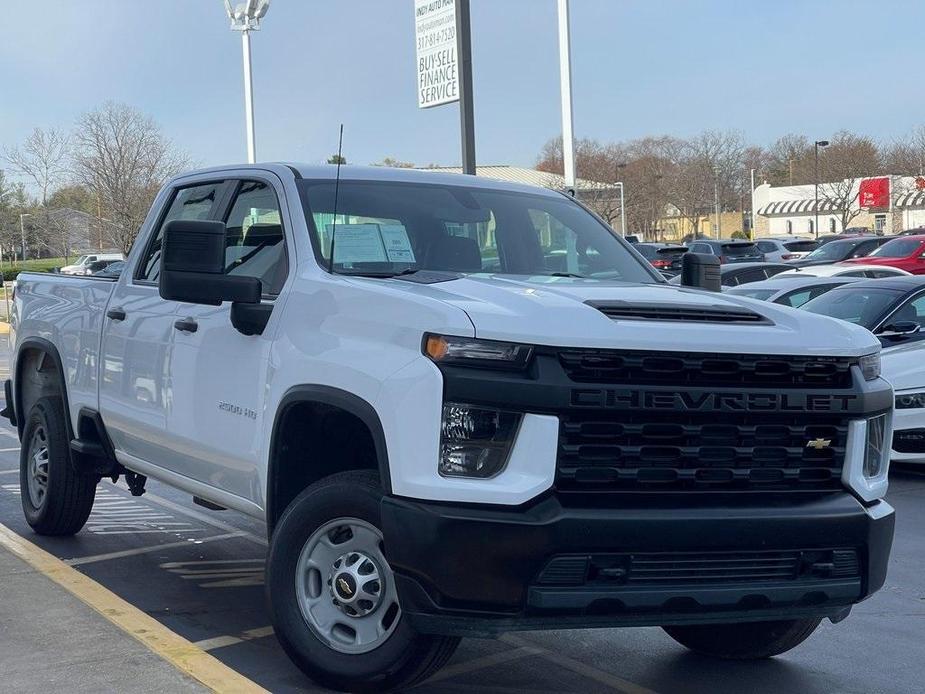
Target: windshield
864	306
737	250
835	250
81	260
898	248
386	228
762	294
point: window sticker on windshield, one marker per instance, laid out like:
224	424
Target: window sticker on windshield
396	242
357	243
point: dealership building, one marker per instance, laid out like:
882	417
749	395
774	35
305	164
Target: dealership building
883	204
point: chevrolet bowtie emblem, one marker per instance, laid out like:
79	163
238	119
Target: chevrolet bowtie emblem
819	444
344	587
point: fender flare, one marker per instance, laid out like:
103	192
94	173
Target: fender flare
51	352
335	397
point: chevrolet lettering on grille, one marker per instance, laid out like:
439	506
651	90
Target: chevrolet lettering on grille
613	398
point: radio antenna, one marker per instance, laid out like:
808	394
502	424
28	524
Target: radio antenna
340	145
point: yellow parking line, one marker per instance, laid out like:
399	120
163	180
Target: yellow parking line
4	328
173	648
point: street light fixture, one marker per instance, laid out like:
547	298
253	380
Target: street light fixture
816	145
245	17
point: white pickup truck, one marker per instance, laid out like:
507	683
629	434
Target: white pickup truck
462	407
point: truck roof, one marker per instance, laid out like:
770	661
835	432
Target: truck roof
351	172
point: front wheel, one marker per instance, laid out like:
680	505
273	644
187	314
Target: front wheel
748	641
332	593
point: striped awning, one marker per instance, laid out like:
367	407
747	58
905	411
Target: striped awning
916	198
798	207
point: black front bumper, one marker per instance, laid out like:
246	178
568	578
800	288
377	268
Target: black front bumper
475	570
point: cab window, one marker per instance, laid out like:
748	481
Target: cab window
254	241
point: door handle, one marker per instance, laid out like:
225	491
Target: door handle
116	313
187	325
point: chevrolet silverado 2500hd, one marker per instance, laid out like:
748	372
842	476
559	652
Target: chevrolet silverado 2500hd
462	407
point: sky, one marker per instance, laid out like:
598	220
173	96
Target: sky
640	67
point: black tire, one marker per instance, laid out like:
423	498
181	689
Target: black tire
67	499
405	659
748	641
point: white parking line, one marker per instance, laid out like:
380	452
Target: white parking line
9	472
9	450
80	561
486	661
222	641
580	668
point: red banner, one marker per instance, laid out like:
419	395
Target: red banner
875	193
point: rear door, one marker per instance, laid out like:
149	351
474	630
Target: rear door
136	383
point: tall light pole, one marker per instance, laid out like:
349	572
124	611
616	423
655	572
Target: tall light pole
816	145
622	203
751	227
22	233
565	79
245	17
719	229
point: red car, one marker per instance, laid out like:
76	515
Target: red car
906	252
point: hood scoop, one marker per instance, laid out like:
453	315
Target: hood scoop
620	310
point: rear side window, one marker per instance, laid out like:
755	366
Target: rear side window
766	246
195	202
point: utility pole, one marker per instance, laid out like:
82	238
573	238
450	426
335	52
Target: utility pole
466	112
565	80
718	229
754	220
246	18
22	233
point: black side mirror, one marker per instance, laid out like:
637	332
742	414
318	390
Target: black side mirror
193	266
702	271
900	328
193	270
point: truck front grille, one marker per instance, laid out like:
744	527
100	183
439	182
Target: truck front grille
705	370
677	451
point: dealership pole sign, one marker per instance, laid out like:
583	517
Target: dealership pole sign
437	59
874	193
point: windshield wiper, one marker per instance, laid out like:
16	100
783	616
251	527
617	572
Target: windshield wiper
564	274
380	274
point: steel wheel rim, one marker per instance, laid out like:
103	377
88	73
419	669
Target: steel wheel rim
37	468
324	608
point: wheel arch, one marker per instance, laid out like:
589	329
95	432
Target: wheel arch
330	398
45	350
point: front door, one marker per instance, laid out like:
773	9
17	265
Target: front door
218	374
136	384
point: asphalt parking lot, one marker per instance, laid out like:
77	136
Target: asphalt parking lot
200	574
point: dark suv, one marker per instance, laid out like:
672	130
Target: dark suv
842	249
728	250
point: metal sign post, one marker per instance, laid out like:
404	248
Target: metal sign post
565	77
466	116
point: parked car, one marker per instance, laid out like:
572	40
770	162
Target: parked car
82	264
113	270
440	451
903	368
892	308
841	249
912	232
846	270
741	273
662	256
781	250
97	266
728	250
790	291
906	253
855	231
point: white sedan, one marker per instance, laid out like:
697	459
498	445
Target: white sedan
903	368
848	270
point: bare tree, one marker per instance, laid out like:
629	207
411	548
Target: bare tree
124	158
906	156
842	165
43	159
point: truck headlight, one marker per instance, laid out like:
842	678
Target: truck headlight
469	351
870	366
474	441
867	461
874	451
908	401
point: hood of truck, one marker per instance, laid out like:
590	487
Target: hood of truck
558	311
